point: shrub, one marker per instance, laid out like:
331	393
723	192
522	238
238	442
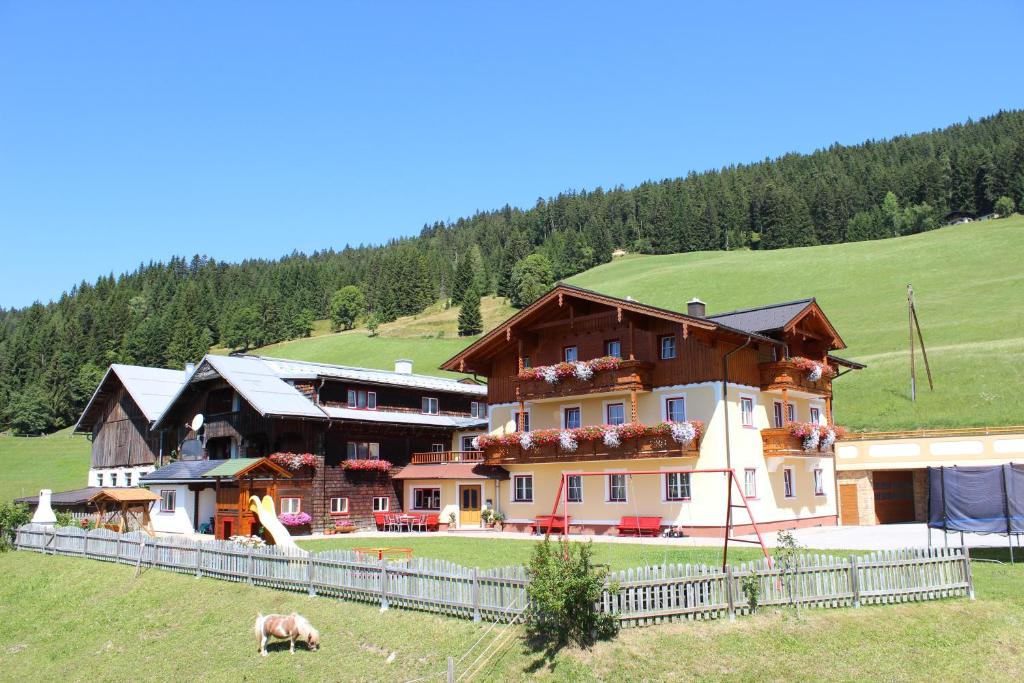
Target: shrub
751	587
564	590
1005	206
12	515
787	560
65	518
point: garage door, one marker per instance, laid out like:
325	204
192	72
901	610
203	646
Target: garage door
894	496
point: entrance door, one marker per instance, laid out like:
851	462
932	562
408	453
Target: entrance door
469	506
894	496
849	513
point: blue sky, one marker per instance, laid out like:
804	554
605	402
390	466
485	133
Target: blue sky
135	131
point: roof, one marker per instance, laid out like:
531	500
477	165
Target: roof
125	495
449	421
452	470
237	467
180	471
64	498
294	369
763	318
151	388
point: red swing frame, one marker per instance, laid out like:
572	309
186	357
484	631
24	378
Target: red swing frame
561	498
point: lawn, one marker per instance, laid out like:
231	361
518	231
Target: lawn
967	280
77	619
57	461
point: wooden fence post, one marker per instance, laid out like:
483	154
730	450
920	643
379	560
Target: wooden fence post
476	594
970	574
142	551
451	670
117	549
383	585
249	574
310	574
199	559
854	581
85	545
728	593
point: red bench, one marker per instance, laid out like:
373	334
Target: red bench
545	524
639	526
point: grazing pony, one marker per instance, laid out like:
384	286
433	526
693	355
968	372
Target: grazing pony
291	626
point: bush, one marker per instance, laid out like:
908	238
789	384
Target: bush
12	515
564	590
65	518
1005	207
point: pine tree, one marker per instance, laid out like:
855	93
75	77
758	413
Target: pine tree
470	320
530	279
464	276
516	249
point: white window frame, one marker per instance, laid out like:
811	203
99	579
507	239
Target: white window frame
128	478
816	419
425	404
463	442
566	409
664	405
417	489
665	498
750	483
372	450
298	505
514	488
819	481
113	479
608	487
791	493
371	398
377	506
791	415
569	488
608	404
575	351
778	417
478	409
437	448
753	407
343	506
515	420
173	498
607	351
661	347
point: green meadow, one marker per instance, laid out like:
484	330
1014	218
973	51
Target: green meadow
57	461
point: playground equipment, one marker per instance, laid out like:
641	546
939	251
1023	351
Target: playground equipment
267	515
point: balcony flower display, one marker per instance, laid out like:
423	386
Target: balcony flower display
611	436
295	519
580	370
814	369
293	461
683	432
526	441
808	432
567	440
381	466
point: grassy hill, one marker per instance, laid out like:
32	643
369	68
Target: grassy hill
968	284
57	461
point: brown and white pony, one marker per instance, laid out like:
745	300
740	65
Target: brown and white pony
291	626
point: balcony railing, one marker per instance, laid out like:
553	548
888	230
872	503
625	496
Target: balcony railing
785	374
779	443
630	375
437	457
636	448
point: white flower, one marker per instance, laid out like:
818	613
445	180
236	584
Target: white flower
611	438
476	443
582	371
811	441
526	441
814	374
567	442
683	432
549	374
828	440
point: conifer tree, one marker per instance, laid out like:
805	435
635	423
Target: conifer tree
464	276
470	320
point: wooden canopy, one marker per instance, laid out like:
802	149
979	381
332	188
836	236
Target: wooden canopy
127	502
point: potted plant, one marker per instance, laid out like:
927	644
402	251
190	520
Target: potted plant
498	520
328	525
487	517
451	522
344	525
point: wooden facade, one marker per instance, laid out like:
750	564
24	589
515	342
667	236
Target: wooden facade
121	436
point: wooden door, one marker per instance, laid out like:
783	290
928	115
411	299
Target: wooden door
849	510
894	496
469	506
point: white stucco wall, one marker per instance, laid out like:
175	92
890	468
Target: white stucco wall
181	520
101	476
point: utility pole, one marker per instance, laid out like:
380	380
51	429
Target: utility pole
914	324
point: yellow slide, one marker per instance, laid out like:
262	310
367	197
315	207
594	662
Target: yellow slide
264	510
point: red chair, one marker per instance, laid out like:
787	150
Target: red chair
380	519
432	522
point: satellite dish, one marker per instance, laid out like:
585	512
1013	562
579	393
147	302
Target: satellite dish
197	422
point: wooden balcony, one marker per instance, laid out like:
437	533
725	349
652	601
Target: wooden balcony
631	375
779	443
785	374
631	449
437	457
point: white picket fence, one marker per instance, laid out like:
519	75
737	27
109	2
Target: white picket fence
646	595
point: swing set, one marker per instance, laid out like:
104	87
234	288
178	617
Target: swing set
561	499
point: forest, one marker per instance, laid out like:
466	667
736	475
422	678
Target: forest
52	355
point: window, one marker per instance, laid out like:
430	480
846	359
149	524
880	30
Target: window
127	478
616	488
750	482
779	424
430	406
787	483
677	486
426	499
467	443
113	479
526	421
363	450
522	491
747	411
675	409
437	448
339	506
819	482
816	415
570	354
574	488
613	347
615	413
667	344
381	504
362	399
791	412
478	409
167	500
291	506
571	418
526	362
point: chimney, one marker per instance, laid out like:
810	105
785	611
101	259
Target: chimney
403	366
190	368
696	308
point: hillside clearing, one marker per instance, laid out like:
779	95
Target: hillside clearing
57	461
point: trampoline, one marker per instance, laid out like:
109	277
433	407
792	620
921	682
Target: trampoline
977	500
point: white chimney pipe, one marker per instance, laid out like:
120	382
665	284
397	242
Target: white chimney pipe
403	366
44	513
